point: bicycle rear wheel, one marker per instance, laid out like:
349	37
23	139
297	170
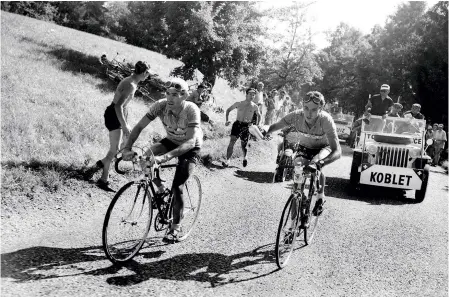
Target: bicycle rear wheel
287	232
127	222
192	202
309	231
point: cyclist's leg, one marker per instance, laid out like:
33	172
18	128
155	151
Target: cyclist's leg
317	209
157	149
321	155
185	168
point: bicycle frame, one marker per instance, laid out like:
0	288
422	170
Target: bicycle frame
303	207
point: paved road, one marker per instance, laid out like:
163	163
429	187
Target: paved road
367	245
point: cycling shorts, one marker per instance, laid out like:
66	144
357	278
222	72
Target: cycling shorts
192	156
309	154
240	130
186	162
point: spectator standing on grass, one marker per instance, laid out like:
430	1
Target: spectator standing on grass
414	112
440	139
116	120
258	100
271	106
283	105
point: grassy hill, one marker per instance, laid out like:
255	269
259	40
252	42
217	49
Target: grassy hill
53	100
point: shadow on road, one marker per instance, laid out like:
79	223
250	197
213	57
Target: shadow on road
337	187
255	176
40	263
216	269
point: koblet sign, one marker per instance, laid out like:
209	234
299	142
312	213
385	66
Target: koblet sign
392	177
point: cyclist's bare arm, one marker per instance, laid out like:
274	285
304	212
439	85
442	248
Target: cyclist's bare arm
335	150
277	126
231	108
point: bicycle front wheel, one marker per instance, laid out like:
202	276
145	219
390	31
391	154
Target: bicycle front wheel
285	239
127	222
192	201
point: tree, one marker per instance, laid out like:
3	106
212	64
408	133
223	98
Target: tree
291	62
218	39
431	68
346	66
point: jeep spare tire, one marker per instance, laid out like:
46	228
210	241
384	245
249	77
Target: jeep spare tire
393	139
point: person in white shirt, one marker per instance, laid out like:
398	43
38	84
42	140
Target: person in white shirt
439	137
258	100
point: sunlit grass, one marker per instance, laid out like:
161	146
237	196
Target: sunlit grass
53	100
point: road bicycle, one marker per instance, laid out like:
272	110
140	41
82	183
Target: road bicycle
297	218
130	214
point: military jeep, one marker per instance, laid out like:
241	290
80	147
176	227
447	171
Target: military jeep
390	152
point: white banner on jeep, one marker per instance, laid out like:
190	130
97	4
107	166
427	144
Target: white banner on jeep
392	177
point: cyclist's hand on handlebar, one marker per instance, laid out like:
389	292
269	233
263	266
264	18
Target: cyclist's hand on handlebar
128	155
160	159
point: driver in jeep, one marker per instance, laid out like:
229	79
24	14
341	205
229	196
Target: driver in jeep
318	140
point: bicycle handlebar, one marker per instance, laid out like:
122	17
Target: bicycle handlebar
135	159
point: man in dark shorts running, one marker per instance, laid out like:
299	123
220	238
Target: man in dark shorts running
245	111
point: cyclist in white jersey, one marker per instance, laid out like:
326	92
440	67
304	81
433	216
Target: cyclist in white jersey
317	135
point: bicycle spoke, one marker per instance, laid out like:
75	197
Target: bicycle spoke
309	232
127	222
285	239
192	202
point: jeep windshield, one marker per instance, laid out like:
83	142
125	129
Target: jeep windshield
342	118
394	126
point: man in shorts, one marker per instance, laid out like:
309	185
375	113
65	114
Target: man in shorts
245	111
115	120
318	140
181	120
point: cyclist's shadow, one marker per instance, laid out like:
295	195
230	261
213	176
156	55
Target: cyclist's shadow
255	176
216	269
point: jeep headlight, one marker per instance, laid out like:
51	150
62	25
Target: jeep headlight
414	152
370	148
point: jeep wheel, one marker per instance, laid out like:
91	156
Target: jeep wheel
421	194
